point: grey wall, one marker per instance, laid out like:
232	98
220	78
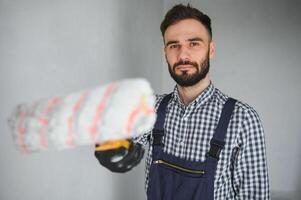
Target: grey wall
57	47
258	61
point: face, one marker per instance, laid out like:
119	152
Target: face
188	49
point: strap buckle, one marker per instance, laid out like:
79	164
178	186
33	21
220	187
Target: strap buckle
216	147
157	136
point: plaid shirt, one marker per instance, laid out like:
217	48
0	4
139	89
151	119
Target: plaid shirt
242	168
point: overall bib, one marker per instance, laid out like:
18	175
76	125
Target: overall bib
174	178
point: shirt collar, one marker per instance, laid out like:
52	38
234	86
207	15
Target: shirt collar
199	100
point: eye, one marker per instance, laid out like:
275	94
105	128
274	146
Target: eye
174	46
194	44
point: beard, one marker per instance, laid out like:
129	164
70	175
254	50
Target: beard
185	79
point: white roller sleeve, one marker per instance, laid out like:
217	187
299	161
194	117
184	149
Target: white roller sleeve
122	109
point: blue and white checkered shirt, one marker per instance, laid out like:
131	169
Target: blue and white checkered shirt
242	169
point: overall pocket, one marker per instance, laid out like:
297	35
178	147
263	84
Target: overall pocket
180	169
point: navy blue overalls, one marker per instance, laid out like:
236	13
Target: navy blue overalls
174	178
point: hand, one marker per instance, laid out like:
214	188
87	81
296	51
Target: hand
119	155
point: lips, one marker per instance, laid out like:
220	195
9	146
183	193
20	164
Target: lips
184	67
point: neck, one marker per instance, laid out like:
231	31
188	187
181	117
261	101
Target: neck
188	94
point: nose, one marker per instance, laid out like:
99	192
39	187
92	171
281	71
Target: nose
183	53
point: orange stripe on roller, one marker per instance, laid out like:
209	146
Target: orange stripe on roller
132	118
21	131
99	111
142	107
44	120
70	121
51	104
149	111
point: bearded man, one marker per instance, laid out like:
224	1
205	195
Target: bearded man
205	144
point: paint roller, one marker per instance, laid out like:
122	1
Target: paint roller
115	111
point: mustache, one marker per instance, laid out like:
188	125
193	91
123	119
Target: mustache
185	62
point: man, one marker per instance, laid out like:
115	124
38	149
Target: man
204	145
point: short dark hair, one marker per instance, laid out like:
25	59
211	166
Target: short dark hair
181	12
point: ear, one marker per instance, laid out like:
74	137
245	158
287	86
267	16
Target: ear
164	47
212	49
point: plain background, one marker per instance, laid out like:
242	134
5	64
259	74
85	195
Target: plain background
56	47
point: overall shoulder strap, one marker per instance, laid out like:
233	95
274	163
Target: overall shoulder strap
217	143
158	130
